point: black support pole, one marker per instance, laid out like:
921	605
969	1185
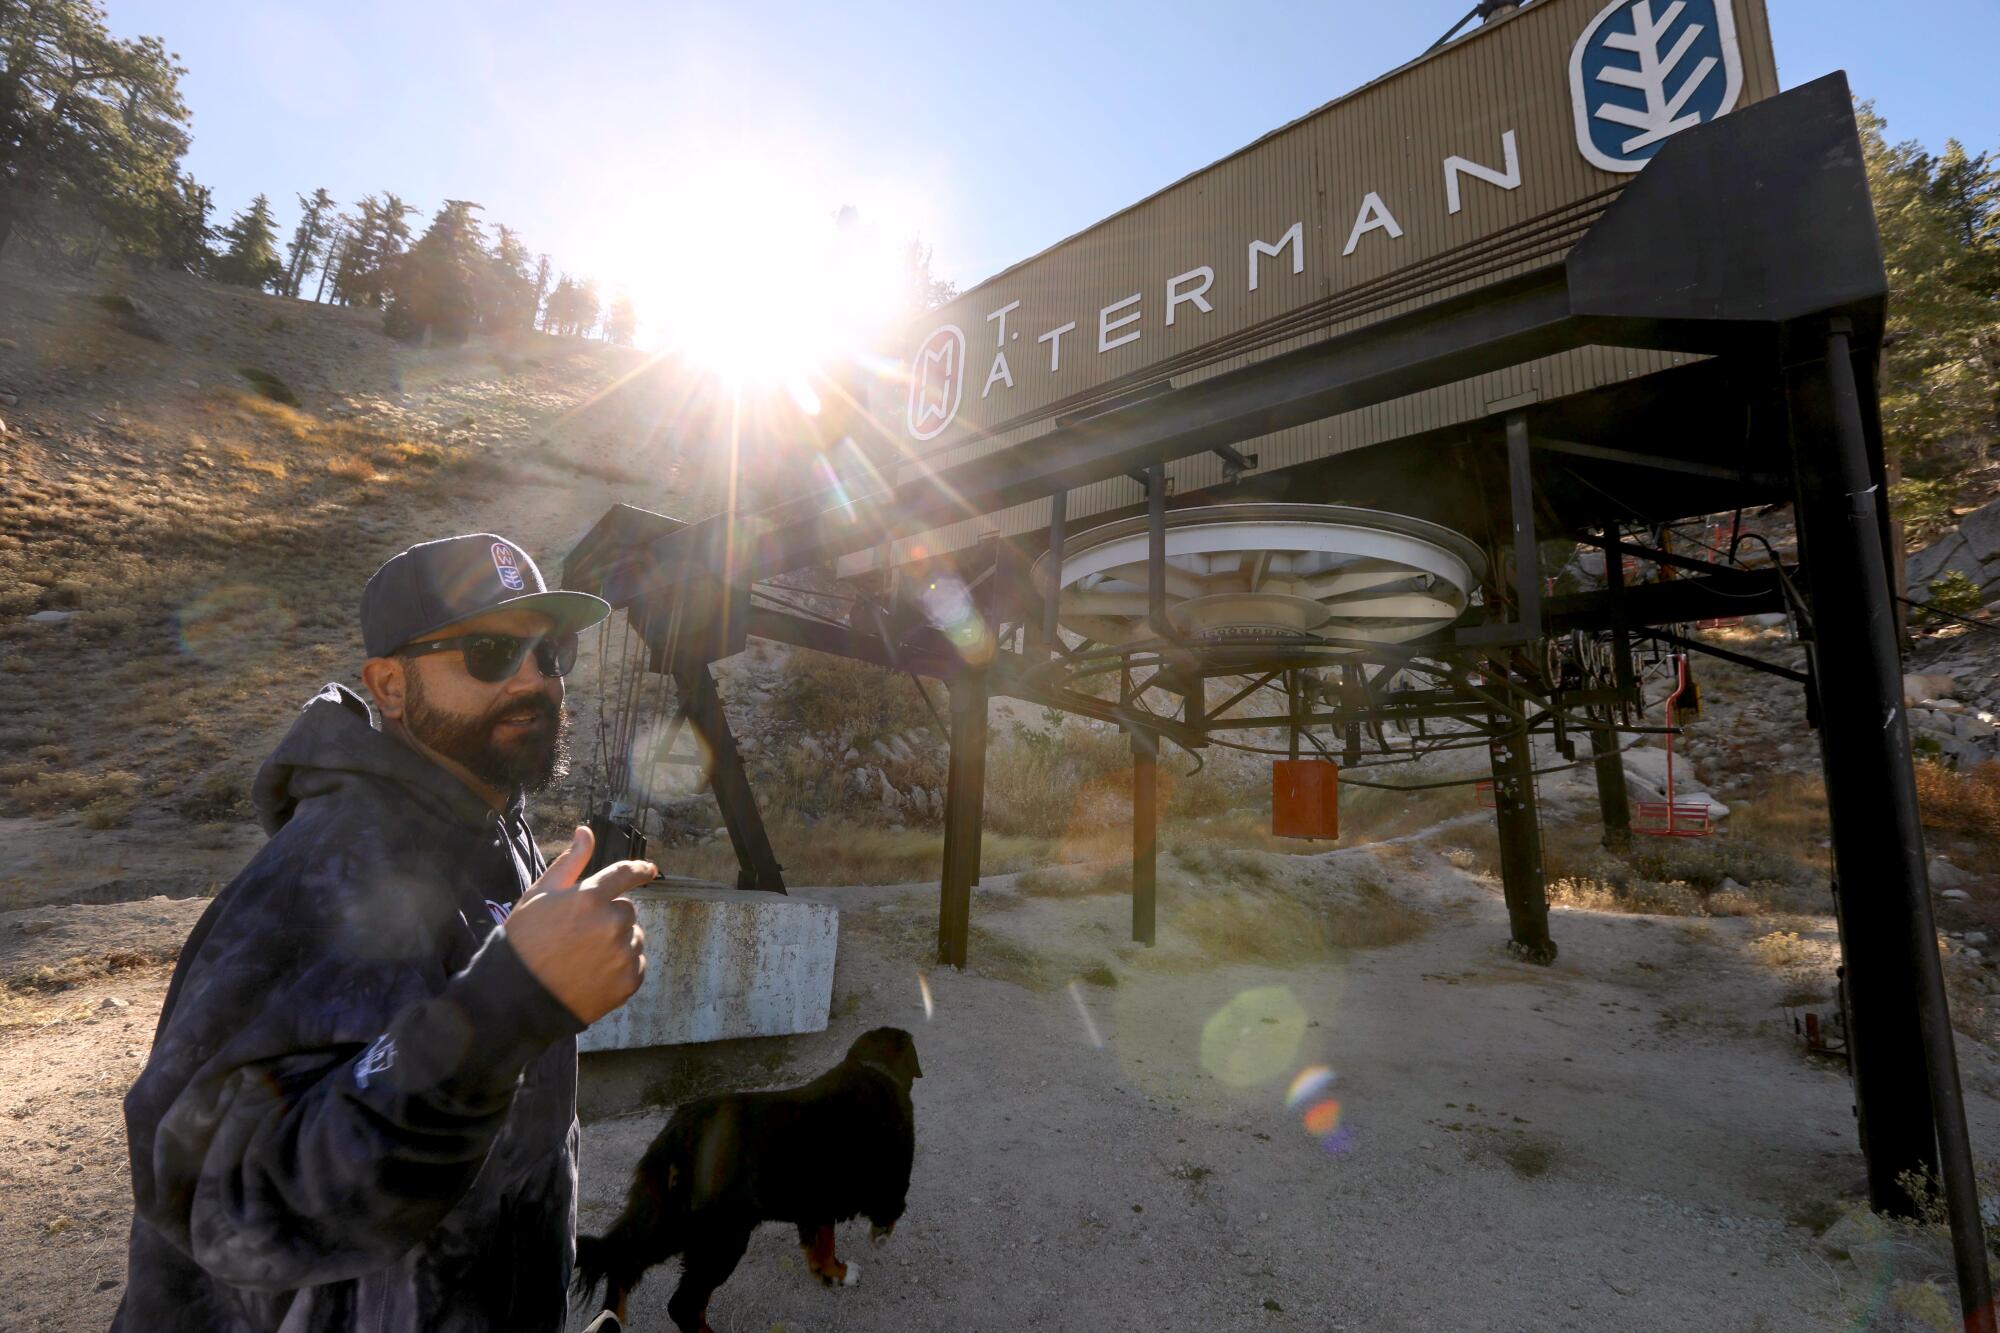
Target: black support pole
1614	803
1145	833
1520	839
964	809
1052	608
1906	1084
1614	806
1156	550
757	865
1521	492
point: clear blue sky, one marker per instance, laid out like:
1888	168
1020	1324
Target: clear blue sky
995	129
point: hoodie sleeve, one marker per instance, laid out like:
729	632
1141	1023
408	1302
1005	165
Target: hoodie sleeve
315	1103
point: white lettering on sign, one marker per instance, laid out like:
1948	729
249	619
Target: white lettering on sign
1054	339
1374	216
1000	334
1105	342
1509	179
1175	296
938	370
999	373
1295	237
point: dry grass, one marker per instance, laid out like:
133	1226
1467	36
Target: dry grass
1285	923
839	851
47	791
208	552
1783	949
1964	802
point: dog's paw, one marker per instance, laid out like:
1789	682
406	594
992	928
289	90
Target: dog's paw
852	1277
879	1236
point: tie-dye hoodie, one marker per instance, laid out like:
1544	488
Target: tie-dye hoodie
360	1109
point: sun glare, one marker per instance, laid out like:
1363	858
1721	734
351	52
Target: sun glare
762	274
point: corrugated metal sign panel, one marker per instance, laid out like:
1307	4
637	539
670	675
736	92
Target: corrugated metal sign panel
1455	171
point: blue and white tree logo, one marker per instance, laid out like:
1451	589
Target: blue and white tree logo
1644	70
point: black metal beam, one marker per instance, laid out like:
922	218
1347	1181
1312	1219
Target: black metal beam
964	813
1731	593
1658	462
1906	1082
1519	827
1740	659
1614	805
1659	557
1156	550
1521	504
1145	833
1052	606
757	865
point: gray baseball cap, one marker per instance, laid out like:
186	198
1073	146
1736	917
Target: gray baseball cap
440	583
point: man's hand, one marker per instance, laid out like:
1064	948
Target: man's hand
582	941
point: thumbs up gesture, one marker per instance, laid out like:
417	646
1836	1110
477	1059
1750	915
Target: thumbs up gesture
582	941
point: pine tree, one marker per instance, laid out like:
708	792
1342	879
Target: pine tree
92	127
304	251
622	324
250	251
535	316
337	244
1940	224
506	296
356	262
434	288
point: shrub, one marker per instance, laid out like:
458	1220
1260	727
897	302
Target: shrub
1955	595
269	385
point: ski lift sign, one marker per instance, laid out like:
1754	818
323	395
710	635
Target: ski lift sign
1494	145
1644	70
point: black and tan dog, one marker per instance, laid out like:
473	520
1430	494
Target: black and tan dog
837	1148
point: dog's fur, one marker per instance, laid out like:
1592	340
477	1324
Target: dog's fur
839	1147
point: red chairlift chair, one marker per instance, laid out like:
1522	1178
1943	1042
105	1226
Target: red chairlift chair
1670	818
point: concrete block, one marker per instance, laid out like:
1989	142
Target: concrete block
722	963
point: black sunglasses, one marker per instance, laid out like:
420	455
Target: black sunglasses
496	657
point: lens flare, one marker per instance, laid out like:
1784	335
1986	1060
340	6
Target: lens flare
948	606
1322	1119
1253	1038
802	396
1311	1081
1083	1012
924	989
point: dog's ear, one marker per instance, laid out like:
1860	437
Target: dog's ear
909	1045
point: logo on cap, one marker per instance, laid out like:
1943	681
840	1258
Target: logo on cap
937	382
508	566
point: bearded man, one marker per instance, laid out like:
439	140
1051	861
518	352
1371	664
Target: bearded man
360	1107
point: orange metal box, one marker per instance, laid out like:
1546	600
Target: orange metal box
1305	798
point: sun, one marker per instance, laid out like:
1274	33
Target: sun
762	274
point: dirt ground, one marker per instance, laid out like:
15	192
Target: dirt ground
1631	1138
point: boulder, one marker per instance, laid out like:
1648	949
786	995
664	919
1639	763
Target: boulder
1936	560
1945	875
1933	686
1981	531
1646	777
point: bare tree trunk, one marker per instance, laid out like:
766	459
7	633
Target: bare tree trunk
325	269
